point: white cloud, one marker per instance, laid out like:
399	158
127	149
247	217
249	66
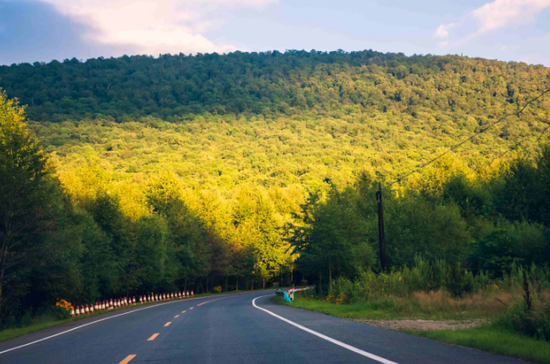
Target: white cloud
153	27
489	17
443	30
501	13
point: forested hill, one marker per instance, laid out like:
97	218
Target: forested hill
275	119
294	82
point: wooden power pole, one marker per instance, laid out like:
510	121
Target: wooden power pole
381	235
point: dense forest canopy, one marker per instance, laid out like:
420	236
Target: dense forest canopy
277	119
174	87
245	169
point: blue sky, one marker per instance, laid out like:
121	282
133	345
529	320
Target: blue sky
42	30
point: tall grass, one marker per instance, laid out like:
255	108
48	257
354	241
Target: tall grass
424	277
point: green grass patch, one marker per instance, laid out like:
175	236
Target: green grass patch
382	309
495	341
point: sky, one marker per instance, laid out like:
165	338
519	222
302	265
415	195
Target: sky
44	30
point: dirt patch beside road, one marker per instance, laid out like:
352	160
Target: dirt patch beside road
422	325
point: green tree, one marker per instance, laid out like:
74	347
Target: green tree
30	198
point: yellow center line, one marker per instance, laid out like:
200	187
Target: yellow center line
127	360
182	311
153	337
191	308
167	324
176	316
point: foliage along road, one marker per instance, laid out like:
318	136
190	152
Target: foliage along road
235	328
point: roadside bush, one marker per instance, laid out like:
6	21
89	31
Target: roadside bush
62	310
61	313
533	323
460	281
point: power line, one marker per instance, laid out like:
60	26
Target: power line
515	145
453	148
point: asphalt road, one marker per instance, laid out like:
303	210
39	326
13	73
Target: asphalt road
230	329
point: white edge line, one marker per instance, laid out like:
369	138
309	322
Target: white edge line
324	337
103	319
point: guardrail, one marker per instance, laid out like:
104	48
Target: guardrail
293	290
288	293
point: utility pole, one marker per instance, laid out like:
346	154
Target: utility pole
381	236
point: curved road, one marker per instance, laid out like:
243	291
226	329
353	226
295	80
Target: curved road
234	328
